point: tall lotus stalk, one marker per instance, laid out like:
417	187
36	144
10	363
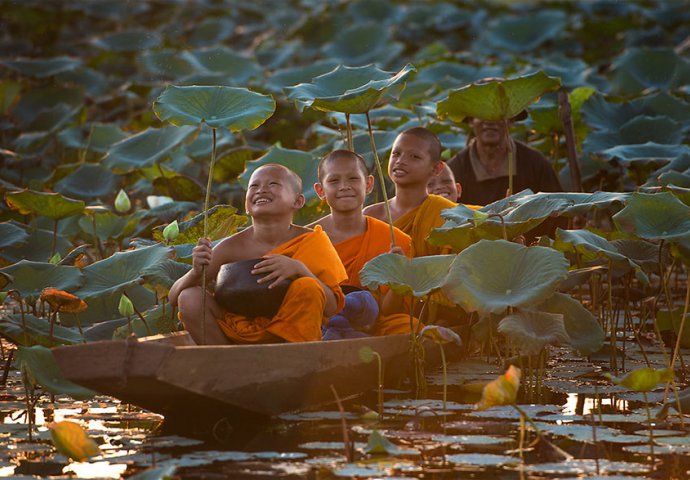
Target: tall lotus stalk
382	180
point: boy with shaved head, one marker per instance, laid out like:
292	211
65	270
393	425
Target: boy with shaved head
285	252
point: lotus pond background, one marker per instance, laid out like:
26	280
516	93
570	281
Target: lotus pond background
78	80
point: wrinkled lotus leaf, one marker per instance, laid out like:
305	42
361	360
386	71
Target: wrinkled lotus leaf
643	253
565	204
645	153
179	187
97	137
165	273
362	44
531	331
222	222
30	278
52	205
220	107
89	182
587	466
675	178
40	365
37	247
224	64
286	77
639	69
42	67
546	119
120	271
36	331
128	41
110	225
524	33
11	235
639	130
496	100
146	148
583	329
406	276
643	379
302	163
641	216
349	89
490	276
482	459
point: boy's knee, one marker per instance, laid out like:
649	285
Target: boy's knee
189	301
307	284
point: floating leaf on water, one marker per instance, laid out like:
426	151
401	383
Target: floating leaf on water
579	467
472	439
279	455
72	441
159	473
482	460
357	470
315	416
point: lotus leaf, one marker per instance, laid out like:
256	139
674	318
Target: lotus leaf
496	100
88	182
128	41
12	235
202	146
671	321
30	278
641	217
168	63
378	444
638	69
222	222
233	162
40	365
524	33
590	467
364	43
103	306
225	65
211	31
406	276
449	74
93	82
639	130
482	460
97	137
52	205
584	331
233	108
33	102
282	78
643	253
649	152
146	148
38	246
110	225
120	271
156	323
167	212
349	89
9	91
530	331
42	67
165	273
675	179
643	379
159	473
36	331
179	187
491	276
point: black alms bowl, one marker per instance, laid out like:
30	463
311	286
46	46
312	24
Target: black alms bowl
238	292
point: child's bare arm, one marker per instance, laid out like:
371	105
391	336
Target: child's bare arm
277	268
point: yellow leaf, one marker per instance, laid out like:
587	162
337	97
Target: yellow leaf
501	391
71	440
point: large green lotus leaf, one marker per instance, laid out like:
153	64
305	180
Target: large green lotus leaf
165	273
568	204
675	178
146	148
377	10
104	307
349	89
95	83
103	330
128	41
170	211
223	61
232	108
202	146
211	31
645	153
50	120
42	369
583	329
30	278
588	244
31	103
406	276
233	162
223	221
530	331
12	235
285	77
491	276
639	130
655	217
38	246
524	33
451	74
159	320
179	187
42	67
302	163
120	271
639	69
110	225
642	252
90	181
363	43
496	100
97	137
36	331
546	119
168	63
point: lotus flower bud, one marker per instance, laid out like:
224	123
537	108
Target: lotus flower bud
171	232
126	308
122	203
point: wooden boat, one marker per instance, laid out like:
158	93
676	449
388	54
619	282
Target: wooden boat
173	376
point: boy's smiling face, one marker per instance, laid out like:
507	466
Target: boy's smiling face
410	161
344	185
273	190
445	185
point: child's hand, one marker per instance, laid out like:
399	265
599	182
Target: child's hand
397	250
277	268
201	255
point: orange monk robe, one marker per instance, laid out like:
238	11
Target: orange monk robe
301	315
420	221
358	250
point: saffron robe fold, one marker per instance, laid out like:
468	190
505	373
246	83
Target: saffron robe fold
358	250
419	222
301	315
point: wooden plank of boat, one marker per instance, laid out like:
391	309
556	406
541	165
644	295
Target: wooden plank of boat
175	378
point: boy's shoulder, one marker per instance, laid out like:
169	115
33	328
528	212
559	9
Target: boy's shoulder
375	210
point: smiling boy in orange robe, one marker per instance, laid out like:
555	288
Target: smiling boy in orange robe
288	251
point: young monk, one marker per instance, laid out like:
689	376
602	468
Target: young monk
344	182
289	251
415	158
444	185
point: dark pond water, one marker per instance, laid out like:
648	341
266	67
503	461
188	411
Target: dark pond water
601	429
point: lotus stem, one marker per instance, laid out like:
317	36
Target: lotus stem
676	348
29	406
203	268
53	316
503	224
651	427
6	372
380	387
141	317
54	242
349	447
570	141
382	180
445	376
527	417
348	133
612	324
511	167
